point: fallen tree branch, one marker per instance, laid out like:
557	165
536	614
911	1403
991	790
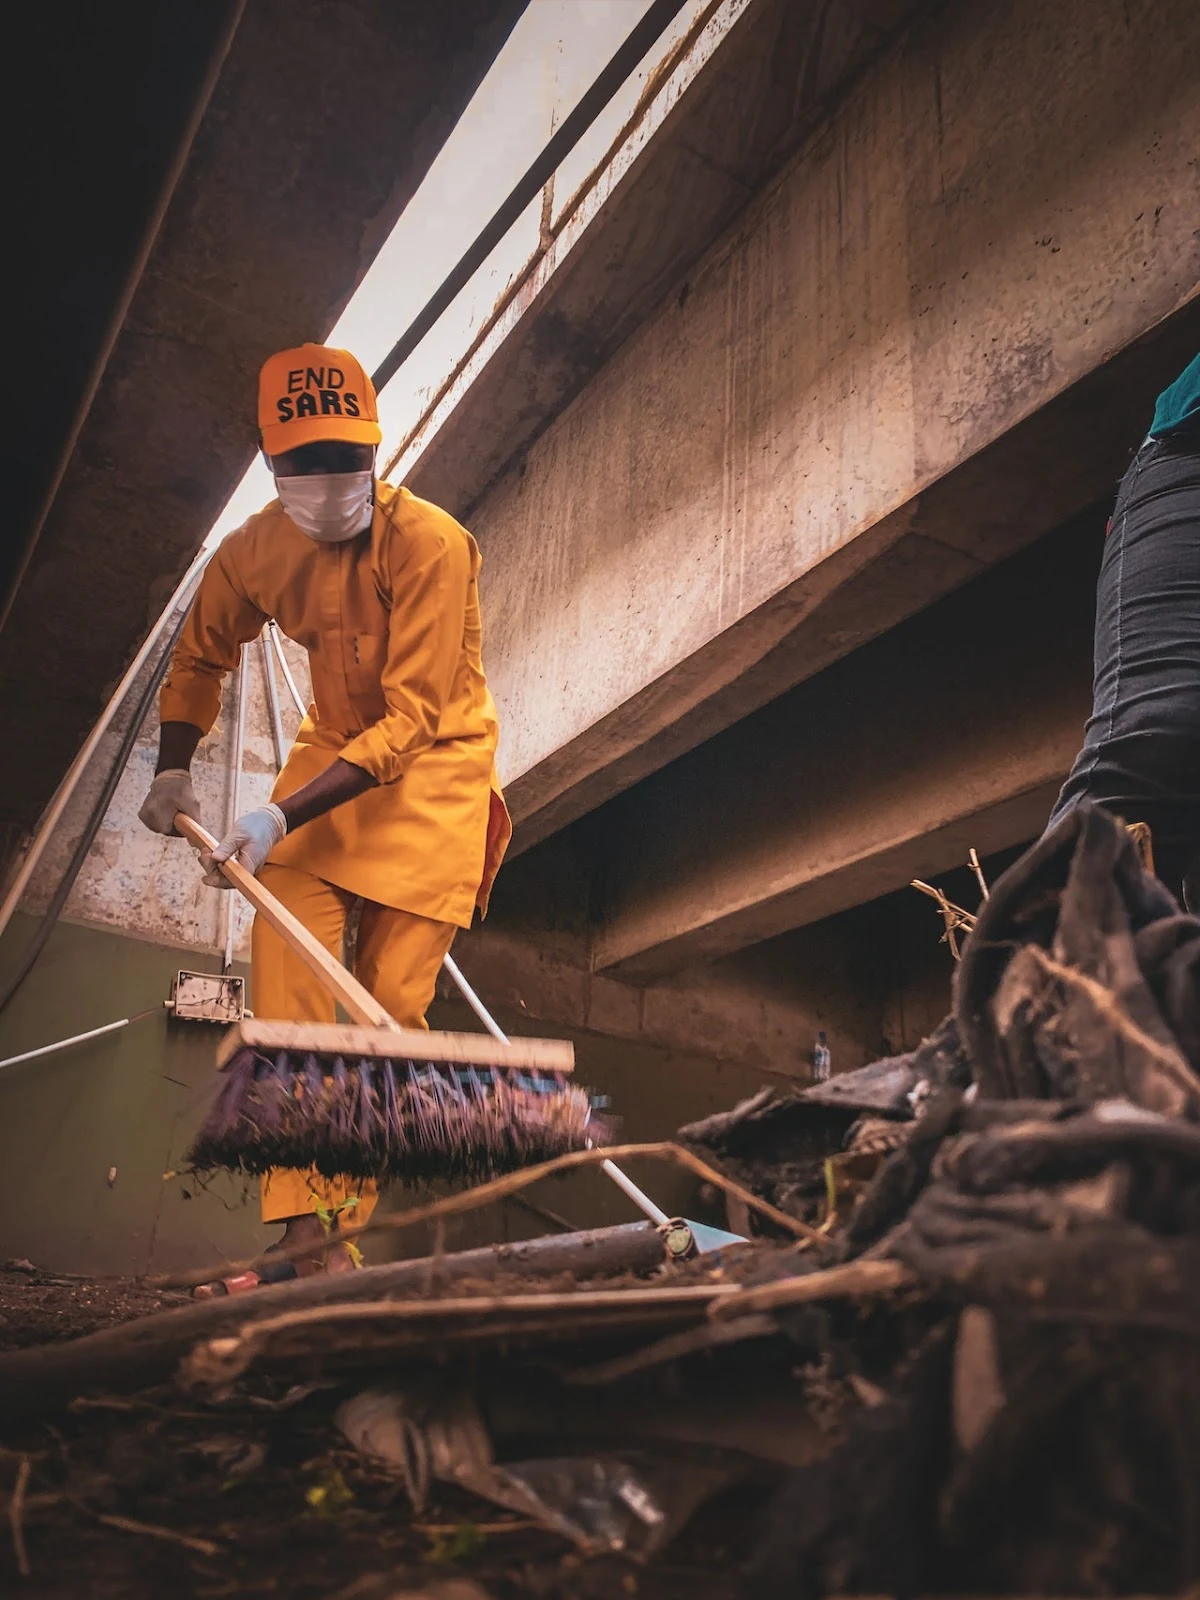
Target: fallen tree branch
834	1283
498	1189
137	1355
221	1361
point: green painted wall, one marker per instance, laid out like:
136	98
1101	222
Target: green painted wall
129	1101
133	1100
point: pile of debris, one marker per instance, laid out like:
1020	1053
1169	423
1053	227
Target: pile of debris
1043	1433
983	1376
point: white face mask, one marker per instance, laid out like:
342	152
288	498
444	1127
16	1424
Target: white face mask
328	506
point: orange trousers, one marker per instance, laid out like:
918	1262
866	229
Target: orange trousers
398	957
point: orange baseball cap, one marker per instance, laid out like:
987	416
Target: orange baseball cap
315	392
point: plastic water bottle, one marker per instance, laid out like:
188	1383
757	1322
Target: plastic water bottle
822	1060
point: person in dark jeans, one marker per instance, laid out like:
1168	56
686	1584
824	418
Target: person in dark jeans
1141	750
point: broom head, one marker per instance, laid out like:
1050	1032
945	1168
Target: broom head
388	1103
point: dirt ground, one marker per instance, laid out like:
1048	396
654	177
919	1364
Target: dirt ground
259	1494
40	1307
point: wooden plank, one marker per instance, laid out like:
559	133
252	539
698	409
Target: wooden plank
397	1044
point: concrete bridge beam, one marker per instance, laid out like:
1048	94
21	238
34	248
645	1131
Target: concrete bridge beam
936	336
953	731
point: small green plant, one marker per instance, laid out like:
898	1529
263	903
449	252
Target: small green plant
330	1495
328	1216
462	1543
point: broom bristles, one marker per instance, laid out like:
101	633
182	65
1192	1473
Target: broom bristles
390	1119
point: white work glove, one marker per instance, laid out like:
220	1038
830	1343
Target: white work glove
250	841
170	792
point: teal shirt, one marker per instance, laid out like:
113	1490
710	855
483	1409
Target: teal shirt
1180	403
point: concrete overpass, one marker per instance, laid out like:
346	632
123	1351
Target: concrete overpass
726	543
930	337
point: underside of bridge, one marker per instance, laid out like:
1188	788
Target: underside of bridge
789	456
790	562
208	184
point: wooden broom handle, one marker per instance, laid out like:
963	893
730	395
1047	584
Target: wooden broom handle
358	1002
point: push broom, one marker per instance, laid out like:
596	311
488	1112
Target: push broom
374	1100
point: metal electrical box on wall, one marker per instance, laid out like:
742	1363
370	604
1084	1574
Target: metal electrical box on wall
207	997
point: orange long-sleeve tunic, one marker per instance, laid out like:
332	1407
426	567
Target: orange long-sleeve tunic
392	629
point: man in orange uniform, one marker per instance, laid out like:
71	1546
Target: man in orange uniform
389	794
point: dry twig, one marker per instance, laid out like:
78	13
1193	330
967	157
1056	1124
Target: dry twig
33	1502
544	1213
437	1529
834	1283
485	1193
672	1348
973	858
204	1547
1110	1008
16	1516
1143	841
220	1361
956	919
